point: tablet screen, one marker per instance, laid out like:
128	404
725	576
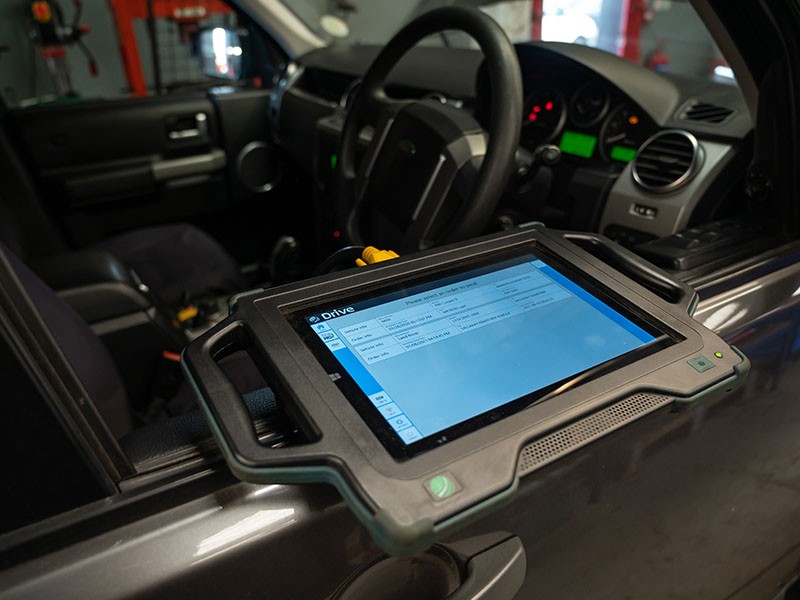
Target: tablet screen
434	360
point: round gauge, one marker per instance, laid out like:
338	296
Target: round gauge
623	133
589	104
543	116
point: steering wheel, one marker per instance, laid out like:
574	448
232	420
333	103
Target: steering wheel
430	173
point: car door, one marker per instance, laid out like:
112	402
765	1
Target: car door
702	503
144	141
105	166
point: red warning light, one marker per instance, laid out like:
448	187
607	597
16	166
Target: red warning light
548	106
337	234
532	117
537	109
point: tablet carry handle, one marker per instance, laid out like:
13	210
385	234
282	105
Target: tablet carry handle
643	272
223	404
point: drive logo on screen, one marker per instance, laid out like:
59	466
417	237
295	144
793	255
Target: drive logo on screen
336	312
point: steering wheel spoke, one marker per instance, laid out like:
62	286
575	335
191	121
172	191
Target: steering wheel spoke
376	103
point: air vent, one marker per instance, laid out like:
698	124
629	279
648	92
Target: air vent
667	161
707	113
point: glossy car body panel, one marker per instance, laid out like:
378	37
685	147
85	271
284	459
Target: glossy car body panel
664	508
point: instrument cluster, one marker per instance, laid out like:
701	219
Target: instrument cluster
589	121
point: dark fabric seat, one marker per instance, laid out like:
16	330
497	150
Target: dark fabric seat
174	260
94	366
90	360
170	259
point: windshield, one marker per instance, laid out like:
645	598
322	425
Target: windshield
664	35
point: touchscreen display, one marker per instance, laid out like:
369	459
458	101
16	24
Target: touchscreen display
425	359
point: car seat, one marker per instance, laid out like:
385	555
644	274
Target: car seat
94	366
172	260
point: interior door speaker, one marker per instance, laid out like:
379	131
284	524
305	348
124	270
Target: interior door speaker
254	165
257	167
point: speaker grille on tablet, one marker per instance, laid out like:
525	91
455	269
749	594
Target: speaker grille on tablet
555	445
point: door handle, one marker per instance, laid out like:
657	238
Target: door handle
486	567
187	127
182	134
497	573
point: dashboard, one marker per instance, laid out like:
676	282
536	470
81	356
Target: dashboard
568	105
641	155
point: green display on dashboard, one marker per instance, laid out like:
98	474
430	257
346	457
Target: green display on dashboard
623	153
578	144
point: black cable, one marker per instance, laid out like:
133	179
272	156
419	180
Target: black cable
77	18
59	13
34	69
89	56
343	258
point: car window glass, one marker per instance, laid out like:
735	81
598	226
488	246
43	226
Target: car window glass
52	52
664	35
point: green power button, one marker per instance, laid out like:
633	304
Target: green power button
441	487
701	364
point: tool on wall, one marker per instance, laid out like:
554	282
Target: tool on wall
52	34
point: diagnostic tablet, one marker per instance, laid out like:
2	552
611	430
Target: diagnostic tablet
427	386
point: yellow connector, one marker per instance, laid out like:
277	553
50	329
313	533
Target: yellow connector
190	312
372	255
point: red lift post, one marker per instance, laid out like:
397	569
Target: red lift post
180	11
537	12
634	16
